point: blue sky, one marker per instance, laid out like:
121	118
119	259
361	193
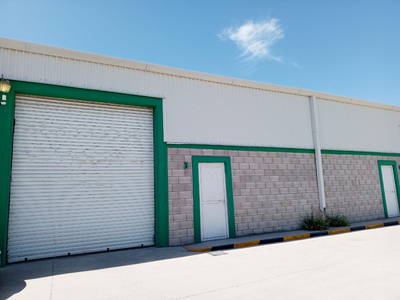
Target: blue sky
348	48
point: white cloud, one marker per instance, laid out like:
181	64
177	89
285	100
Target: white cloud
255	39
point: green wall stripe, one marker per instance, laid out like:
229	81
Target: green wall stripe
196	193
45	90
344	152
276	149
396	179
241	148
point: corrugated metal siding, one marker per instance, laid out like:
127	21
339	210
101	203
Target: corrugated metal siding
195	111
209	113
82	178
203	112
358	128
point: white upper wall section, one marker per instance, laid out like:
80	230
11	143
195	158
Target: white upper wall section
207	109
201	112
196	111
354	127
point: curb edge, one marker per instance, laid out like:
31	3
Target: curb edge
293	237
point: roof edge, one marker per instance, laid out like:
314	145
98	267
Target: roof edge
149	67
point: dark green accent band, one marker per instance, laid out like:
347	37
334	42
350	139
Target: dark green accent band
277	149
396	179
240	148
196	193
340	152
45	90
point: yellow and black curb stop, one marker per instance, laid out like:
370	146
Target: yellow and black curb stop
292	238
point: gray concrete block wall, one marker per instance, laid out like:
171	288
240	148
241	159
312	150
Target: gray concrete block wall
352	185
271	190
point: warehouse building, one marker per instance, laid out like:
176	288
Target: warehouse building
101	153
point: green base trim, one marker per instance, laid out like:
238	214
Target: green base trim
340	152
241	148
281	239
54	91
196	193
396	179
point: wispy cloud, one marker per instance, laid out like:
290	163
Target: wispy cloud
255	39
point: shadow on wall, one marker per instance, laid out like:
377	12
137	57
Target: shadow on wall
13	276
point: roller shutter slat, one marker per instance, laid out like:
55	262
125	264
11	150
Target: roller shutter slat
82	178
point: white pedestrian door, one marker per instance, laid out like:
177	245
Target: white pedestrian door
389	184
213	201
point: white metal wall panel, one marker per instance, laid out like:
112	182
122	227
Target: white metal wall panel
195	111
82	178
201	112
358	128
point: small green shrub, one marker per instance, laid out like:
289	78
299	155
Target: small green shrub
312	222
337	221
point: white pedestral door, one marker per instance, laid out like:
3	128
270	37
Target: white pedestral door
389	184
213	201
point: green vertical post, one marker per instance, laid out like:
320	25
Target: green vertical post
160	181
6	139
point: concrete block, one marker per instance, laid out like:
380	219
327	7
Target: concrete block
175	242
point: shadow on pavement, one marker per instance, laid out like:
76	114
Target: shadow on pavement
13	276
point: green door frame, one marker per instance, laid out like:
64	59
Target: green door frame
46	90
196	193
396	179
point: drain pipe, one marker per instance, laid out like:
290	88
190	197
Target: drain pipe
318	156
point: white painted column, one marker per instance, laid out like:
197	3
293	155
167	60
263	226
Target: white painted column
318	157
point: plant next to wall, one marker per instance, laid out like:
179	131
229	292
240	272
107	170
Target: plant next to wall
314	222
337	221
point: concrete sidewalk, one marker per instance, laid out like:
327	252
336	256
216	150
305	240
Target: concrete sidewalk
358	266
278	237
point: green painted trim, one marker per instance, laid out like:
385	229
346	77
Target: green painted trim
196	193
6	139
241	148
160	180
276	149
45	90
396	179
340	152
382	190
196	201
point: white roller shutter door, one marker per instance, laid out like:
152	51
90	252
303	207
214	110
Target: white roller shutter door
82	178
